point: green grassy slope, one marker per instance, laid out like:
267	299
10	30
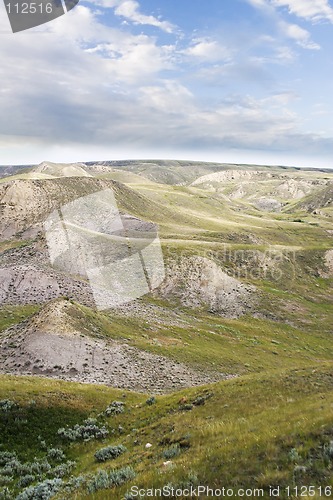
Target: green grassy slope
252	432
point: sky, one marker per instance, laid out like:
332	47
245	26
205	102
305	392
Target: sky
241	81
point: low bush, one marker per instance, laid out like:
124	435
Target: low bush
328	450
56	454
6	457
109	453
42	491
63	470
172	451
151	401
105	480
6	480
74	483
85	432
5	494
115	408
25	481
6	405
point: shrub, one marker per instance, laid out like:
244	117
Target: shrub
85	432
293	455
25	481
56	454
190	481
11	467
74	483
99	482
115	408
36	467
151	401
42	443
6	405
328	450
186	407
172	451
6	480
128	496
104	480
121	476
6	457
16	468
63	470
199	401
109	453
5	494
42	491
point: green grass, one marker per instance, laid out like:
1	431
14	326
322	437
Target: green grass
10	244
10	315
242	436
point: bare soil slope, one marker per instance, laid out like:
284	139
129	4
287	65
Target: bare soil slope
58	342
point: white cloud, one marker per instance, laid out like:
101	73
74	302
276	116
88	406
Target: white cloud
134	61
262	5
285	54
300	7
206	50
169	97
301	36
313	10
91	84
129	9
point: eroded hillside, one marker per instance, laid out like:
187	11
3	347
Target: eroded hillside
224	253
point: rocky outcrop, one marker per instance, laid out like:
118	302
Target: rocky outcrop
328	261
199	282
268	205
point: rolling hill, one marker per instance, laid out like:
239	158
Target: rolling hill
221	375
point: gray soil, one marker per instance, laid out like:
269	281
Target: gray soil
48	344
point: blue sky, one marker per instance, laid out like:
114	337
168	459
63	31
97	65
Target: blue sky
245	81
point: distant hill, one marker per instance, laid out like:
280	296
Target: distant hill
172	172
61	169
322	198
